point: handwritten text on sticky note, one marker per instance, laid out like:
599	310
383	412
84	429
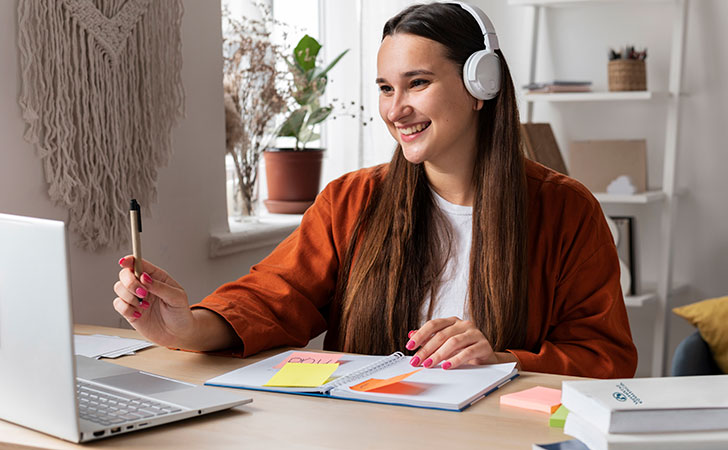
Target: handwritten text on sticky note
310	358
302	375
375	383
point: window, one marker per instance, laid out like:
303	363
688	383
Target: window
301	17
339	25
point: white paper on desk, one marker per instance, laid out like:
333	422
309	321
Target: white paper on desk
103	346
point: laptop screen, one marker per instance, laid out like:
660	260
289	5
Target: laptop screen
37	380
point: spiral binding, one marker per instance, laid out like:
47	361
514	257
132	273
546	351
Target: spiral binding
366	370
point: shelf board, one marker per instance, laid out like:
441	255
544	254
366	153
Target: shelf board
637	301
641	198
588	96
574	2
648	298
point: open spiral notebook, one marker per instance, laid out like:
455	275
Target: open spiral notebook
453	389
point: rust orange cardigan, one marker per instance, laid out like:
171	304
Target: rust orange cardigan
577	321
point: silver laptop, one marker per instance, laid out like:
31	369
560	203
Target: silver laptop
42	385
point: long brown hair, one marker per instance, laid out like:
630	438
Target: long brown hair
401	241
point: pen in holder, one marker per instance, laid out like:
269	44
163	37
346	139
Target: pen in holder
626	70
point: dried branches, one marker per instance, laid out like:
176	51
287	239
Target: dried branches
256	91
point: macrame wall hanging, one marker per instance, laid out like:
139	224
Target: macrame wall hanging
101	92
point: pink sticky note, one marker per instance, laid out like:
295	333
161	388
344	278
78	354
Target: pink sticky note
310	358
537	398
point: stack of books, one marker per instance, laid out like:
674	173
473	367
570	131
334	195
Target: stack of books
647	413
559	86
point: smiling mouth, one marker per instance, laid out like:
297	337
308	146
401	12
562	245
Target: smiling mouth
414	129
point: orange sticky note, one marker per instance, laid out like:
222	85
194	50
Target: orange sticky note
375	383
537	398
309	358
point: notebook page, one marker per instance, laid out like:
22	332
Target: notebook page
434	387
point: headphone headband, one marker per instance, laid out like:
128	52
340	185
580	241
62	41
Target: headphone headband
482	71
486	26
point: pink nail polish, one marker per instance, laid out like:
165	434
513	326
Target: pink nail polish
137	314
446	365
146	278
141	292
121	261
427	363
415	361
411	333
144	304
411	345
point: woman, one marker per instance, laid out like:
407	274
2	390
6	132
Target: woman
458	249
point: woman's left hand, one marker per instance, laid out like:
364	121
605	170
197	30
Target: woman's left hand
452	342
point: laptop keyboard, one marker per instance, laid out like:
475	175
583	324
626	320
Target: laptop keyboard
109	407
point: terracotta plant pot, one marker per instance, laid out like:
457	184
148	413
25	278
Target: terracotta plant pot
294	178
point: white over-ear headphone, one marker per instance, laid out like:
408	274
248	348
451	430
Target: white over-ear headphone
482	71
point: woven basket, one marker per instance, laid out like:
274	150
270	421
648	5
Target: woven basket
627	75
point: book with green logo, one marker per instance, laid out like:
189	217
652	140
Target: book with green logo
644	405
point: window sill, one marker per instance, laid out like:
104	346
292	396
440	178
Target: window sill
269	230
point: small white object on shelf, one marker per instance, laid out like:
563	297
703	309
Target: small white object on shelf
625	278
622	185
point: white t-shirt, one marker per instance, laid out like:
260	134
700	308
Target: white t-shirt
453	292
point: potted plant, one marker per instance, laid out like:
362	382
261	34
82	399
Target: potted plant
294	174
257	90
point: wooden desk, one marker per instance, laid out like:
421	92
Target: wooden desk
285	421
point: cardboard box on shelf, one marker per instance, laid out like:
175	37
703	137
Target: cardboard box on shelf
597	164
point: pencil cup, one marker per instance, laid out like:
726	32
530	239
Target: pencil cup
627	75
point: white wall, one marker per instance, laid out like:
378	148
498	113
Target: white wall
191	190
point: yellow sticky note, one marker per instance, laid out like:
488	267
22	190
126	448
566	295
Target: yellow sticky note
302	375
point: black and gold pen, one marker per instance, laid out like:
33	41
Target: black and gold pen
135	216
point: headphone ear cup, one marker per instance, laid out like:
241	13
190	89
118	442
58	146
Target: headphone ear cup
482	75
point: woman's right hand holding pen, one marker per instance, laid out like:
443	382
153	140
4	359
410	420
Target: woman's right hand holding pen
163	315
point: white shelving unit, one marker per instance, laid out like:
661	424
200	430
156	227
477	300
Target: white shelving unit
637	301
640	199
573	2
589	96
666	196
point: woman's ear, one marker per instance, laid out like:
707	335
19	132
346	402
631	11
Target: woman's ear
478	105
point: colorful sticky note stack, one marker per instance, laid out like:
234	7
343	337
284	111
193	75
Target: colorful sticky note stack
558	418
537	398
